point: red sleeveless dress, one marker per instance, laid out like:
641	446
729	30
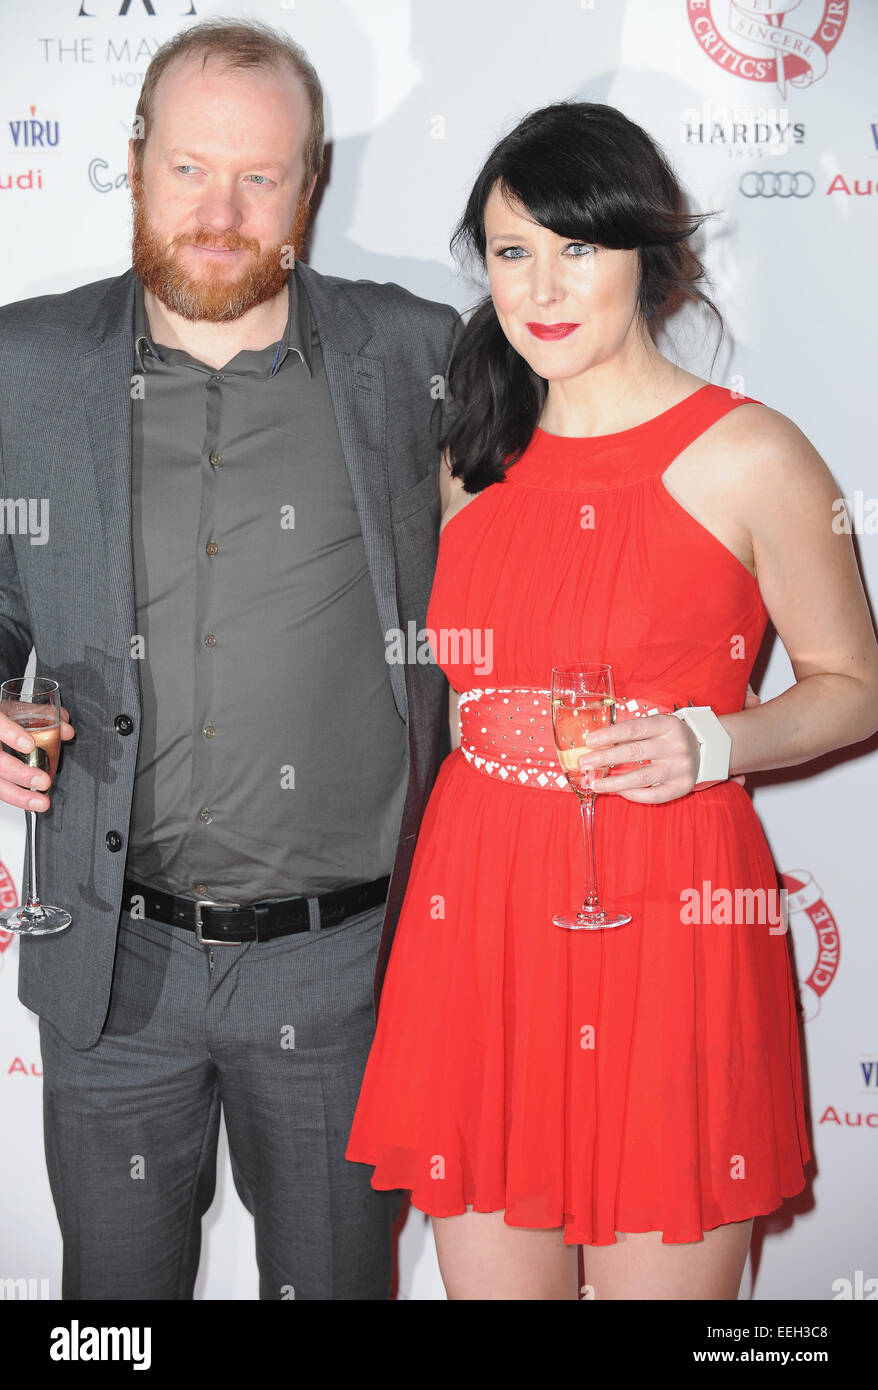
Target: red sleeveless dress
645	1078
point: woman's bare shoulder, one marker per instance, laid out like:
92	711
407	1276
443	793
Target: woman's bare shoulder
761	448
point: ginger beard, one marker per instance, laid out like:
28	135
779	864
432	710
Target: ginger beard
214	295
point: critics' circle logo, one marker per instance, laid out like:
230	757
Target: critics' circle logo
8	898
809	915
787	42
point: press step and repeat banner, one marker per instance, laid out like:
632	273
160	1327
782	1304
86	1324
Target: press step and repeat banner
768	110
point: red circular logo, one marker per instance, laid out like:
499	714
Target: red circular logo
8	898
808	912
783	41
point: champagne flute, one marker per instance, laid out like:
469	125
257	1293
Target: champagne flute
35	703
583	699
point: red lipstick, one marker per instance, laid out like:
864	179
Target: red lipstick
551	331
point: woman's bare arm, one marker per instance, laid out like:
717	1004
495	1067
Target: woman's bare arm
807	574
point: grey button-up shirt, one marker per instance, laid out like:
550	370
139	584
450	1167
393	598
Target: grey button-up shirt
272	759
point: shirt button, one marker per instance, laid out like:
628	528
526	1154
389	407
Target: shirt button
205	816
210	640
217	376
208	731
215	459
211	547
114	840
202	888
123	724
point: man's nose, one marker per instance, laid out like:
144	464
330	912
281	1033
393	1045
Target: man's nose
220	212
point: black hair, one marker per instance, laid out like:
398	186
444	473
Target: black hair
586	172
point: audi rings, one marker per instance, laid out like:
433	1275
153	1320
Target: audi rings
776	184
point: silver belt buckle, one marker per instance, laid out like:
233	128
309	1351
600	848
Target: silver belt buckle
206	940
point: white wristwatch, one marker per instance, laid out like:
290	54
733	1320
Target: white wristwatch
714	742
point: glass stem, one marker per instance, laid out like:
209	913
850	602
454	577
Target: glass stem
32	900
586	807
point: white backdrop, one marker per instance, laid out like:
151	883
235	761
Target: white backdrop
786	150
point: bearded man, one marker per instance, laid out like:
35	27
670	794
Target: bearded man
241	462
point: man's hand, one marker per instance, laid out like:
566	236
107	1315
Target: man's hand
18	782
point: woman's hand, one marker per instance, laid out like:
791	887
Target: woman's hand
667	747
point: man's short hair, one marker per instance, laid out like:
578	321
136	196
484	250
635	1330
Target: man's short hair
238	44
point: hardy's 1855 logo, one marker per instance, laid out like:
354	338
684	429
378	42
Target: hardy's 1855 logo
808	914
754	39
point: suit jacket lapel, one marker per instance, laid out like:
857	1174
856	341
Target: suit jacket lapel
359	398
107	372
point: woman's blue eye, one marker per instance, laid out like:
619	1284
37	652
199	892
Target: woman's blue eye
581	251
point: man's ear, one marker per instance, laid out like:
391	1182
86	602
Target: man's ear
311	188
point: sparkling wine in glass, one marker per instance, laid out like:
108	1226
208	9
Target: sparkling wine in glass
35	703
583	699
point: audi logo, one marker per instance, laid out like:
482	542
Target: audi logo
777	184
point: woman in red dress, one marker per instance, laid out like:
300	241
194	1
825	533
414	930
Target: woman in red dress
636	1091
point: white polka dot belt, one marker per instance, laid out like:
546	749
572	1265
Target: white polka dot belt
507	733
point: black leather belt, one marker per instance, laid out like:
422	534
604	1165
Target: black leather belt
232	924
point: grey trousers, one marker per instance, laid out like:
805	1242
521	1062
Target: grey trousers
277	1034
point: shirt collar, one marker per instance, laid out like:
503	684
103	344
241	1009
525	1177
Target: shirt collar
296	337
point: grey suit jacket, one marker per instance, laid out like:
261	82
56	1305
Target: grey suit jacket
65	439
